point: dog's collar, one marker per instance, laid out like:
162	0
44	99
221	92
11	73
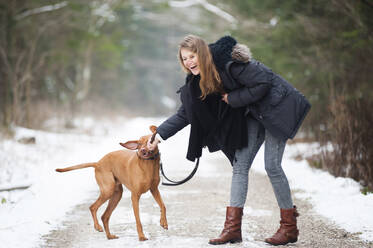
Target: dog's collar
150	158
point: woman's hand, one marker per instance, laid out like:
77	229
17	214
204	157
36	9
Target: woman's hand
225	98
152	146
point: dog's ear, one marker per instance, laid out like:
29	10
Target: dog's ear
132	145
153	128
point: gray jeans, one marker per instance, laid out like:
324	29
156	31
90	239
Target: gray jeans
273	151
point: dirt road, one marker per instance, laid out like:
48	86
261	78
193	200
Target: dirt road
196	212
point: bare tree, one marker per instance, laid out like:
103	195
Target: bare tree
18	53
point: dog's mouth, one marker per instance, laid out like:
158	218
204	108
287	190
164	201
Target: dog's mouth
146	154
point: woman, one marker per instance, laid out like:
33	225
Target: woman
235	103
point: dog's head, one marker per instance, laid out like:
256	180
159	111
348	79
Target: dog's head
141	145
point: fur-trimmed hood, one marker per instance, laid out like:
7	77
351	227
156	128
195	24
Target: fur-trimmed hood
227	49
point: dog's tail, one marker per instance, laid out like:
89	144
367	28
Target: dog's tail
79	166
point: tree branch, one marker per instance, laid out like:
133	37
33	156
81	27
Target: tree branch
39	10
5	59
16	187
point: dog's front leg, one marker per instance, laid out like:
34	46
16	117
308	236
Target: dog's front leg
158	199
135	205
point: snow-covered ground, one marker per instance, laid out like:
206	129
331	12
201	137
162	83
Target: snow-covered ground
26	215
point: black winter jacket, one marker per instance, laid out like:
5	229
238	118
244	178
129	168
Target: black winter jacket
214	123
265	95
268	97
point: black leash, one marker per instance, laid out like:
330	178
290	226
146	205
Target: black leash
171	182
175	183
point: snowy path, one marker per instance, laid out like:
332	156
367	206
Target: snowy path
196	212
53	212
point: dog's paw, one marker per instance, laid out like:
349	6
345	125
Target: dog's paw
112	237
99	228
143	238
164	224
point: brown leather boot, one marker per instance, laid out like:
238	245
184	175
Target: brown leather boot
288	232
232	227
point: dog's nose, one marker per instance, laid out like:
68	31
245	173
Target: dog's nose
143	151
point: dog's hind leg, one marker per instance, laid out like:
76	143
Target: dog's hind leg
158	199
113	202
106	182
135	205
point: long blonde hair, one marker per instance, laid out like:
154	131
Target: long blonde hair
210	81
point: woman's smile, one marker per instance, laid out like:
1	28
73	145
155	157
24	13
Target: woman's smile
190	61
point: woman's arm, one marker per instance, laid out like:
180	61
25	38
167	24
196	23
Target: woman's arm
256	82
173	124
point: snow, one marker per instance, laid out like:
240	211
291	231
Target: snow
42	207
208	6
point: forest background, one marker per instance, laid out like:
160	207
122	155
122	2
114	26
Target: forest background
104	58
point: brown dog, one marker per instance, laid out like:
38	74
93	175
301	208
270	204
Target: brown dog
138	171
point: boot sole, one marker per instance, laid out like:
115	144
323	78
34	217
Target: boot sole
228	241
290	241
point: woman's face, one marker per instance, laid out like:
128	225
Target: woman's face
190	60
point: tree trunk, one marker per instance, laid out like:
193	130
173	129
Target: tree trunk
3	89
84	80
15	94
6	50
28	103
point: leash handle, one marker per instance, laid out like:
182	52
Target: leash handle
153	137
176	183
